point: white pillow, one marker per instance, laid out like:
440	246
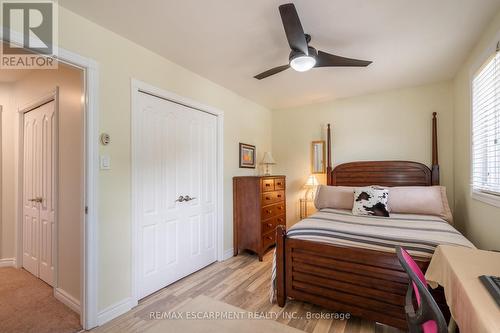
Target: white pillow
370	201
423	200
337	197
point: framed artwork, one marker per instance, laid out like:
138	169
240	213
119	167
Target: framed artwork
247	156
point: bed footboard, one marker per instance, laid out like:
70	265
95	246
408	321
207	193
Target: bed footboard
365	283
280	265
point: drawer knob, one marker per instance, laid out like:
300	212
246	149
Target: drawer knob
280	207
268	185
267	198
269	224
280	220
269	211
269	237
279	195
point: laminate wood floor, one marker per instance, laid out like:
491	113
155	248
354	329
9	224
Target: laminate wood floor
244	282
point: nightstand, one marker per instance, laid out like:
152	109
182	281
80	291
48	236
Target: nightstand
306	208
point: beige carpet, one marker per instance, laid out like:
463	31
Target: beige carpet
236	320
27	305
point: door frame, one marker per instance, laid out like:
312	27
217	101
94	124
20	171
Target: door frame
53	95
89	227
138	87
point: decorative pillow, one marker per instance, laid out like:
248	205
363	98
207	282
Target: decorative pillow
370	201
338	197
422	200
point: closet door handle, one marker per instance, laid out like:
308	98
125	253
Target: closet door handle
188	198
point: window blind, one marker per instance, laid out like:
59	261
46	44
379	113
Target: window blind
486	127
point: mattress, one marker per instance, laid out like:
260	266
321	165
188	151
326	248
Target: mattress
418	234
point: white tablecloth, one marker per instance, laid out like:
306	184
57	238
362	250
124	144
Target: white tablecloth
457	269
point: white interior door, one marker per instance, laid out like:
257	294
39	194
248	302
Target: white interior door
177	154
39	191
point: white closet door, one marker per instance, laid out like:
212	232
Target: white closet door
31	191
39	191
177	156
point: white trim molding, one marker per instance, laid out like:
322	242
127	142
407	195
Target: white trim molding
8	262
487	198
228	254
139	86
115	310
67	299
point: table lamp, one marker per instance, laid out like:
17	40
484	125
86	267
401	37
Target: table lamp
268	160
310	184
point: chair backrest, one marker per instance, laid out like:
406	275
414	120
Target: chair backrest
428	318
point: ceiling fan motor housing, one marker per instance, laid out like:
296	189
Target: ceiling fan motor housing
311	52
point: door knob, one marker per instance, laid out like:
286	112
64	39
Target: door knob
180	199
37	199
188	198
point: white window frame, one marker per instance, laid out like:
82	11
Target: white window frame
491	48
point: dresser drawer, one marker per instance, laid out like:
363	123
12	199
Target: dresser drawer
272	223
269	239
273	210
279	183
269	198
267	185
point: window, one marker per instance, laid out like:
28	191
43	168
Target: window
486	129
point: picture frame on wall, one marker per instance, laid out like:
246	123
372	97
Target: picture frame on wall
247	156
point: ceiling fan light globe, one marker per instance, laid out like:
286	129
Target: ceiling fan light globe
302	63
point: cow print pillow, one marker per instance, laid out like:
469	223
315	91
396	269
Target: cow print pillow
370	201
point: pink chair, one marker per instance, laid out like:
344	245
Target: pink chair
428	318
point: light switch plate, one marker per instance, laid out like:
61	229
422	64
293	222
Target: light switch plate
105	162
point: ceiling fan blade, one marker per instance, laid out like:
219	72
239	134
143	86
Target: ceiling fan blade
329	60
272	71
293	28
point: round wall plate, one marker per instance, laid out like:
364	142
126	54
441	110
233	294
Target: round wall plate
105	139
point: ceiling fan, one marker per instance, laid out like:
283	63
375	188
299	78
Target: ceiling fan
304	57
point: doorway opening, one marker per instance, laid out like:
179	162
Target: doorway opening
43	199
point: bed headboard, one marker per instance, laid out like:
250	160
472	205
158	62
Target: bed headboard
385	173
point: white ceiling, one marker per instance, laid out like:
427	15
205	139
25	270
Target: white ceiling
229	41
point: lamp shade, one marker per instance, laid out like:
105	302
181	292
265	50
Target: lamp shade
268	158
312	181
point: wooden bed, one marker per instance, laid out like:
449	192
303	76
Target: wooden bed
366	283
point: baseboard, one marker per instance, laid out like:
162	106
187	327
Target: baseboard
227	254
68	300
115	310
8	262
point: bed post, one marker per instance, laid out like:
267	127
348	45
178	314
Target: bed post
280	265
435	163
329	176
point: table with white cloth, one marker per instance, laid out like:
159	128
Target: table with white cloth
457	270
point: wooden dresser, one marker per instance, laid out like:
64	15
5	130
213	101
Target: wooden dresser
258	207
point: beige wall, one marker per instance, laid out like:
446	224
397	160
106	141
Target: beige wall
119	61
22	93
480	221
394	125
8	213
